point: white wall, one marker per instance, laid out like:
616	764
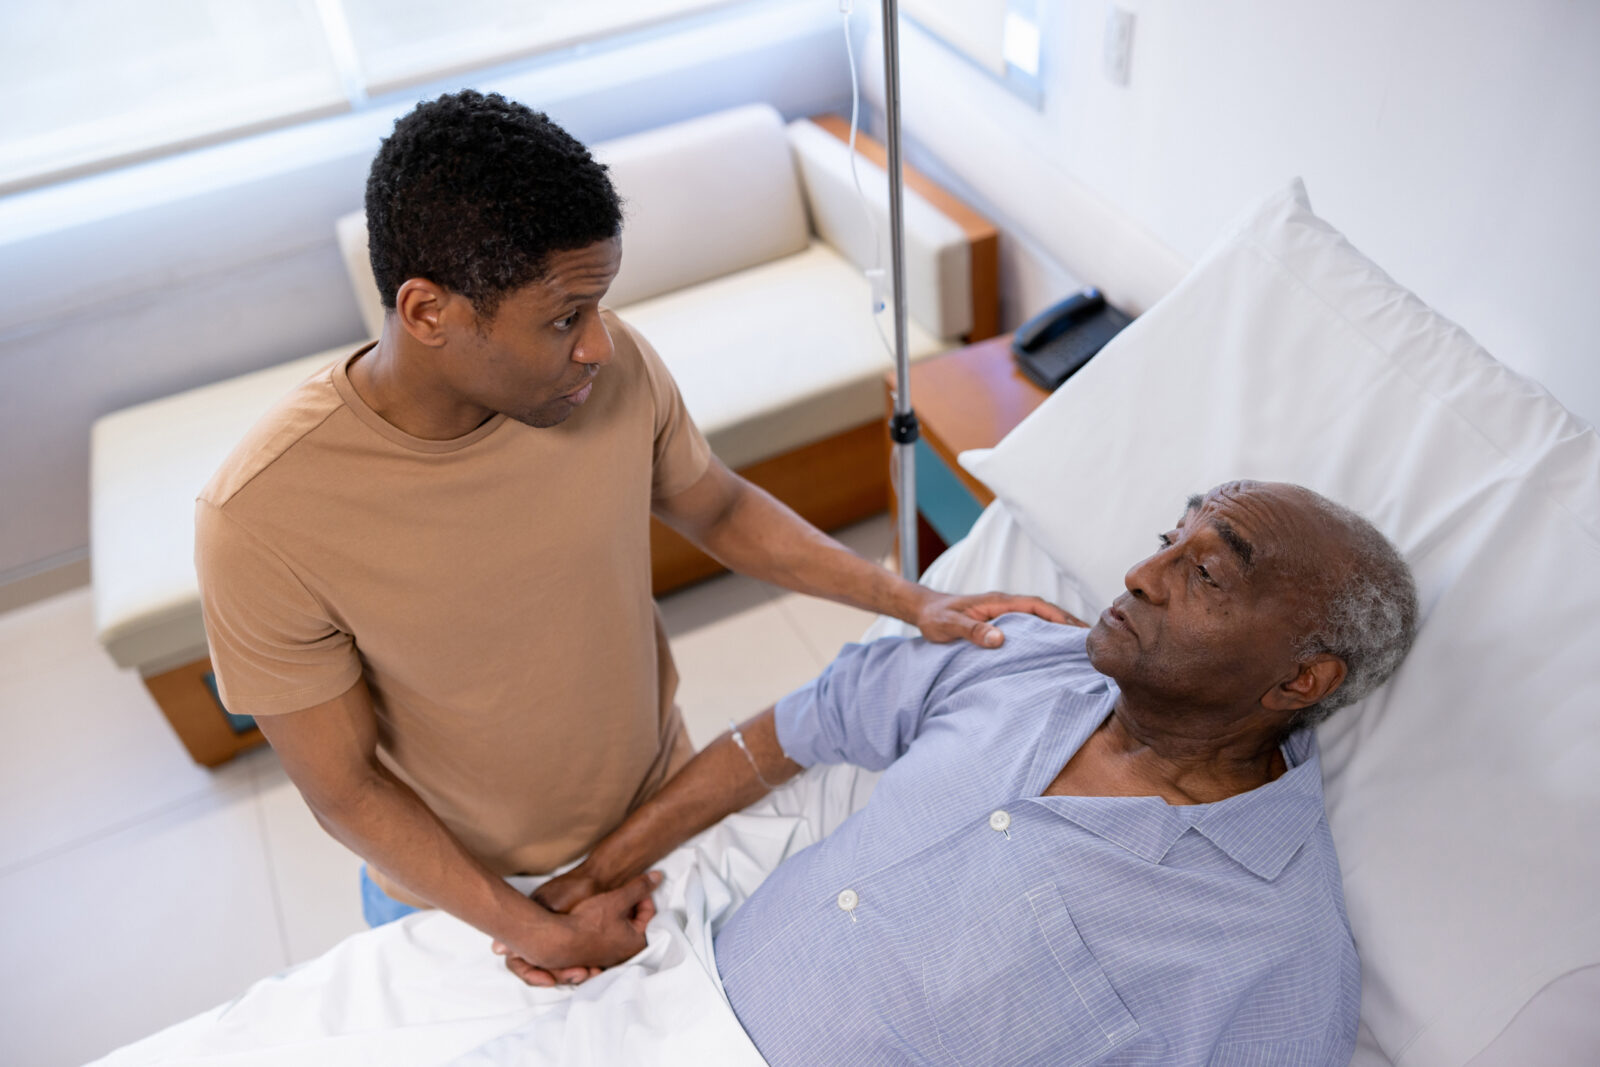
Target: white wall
140	283
1456	143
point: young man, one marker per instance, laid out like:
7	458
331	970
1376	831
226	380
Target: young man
426	572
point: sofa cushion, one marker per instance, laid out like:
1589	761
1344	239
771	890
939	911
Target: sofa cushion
938	261
147	465
702	199
816	365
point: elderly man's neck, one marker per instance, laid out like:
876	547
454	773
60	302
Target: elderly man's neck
1192	758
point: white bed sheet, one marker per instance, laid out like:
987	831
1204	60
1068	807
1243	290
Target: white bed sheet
426	990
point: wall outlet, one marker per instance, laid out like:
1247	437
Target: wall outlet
1118	57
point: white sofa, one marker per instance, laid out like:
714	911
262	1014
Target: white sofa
743	248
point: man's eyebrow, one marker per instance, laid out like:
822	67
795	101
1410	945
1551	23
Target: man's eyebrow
579	295
1241	548
583	289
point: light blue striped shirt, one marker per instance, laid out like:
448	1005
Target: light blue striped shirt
963	918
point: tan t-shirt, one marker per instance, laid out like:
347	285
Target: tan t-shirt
494	589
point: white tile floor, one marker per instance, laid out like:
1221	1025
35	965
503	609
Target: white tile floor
137	889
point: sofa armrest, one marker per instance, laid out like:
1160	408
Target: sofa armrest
704	199
952	252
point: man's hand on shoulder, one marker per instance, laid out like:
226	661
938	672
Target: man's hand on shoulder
945	617
600	929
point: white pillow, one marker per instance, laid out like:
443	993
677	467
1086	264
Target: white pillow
702	199
1465	795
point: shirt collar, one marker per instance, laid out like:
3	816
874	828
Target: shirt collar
1260	830
1264	828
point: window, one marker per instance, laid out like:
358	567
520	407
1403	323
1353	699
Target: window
480	33
1001	36
88	84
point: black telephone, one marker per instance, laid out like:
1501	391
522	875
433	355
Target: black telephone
1054	344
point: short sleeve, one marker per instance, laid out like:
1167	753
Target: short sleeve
272	645
868	705
681	453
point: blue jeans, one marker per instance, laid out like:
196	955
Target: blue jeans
377	906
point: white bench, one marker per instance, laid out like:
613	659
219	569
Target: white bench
744	243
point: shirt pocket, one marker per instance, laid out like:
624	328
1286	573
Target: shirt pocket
1019	986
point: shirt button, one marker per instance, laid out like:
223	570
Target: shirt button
848	899
1000	821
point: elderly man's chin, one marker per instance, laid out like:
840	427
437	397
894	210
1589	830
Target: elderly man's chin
1103	645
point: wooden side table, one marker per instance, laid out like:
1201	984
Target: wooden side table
967	398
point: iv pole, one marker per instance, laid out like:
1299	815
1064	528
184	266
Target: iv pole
903	423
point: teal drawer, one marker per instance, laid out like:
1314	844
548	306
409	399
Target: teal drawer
239	724
941	498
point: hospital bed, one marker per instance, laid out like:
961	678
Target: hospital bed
1464	796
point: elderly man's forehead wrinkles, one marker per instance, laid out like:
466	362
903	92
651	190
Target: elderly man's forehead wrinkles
1231	537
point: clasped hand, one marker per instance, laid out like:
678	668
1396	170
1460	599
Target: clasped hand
597	929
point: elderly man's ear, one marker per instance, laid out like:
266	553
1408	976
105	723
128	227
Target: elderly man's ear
1318	677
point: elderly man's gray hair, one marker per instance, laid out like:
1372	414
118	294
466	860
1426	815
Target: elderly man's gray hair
1369	616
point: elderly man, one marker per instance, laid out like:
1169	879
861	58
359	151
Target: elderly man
1100	846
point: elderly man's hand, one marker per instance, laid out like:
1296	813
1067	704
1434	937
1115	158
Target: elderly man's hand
602	930
943	617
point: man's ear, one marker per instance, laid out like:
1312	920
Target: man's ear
422	309
1318	677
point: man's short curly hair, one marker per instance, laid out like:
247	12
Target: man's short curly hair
474	193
